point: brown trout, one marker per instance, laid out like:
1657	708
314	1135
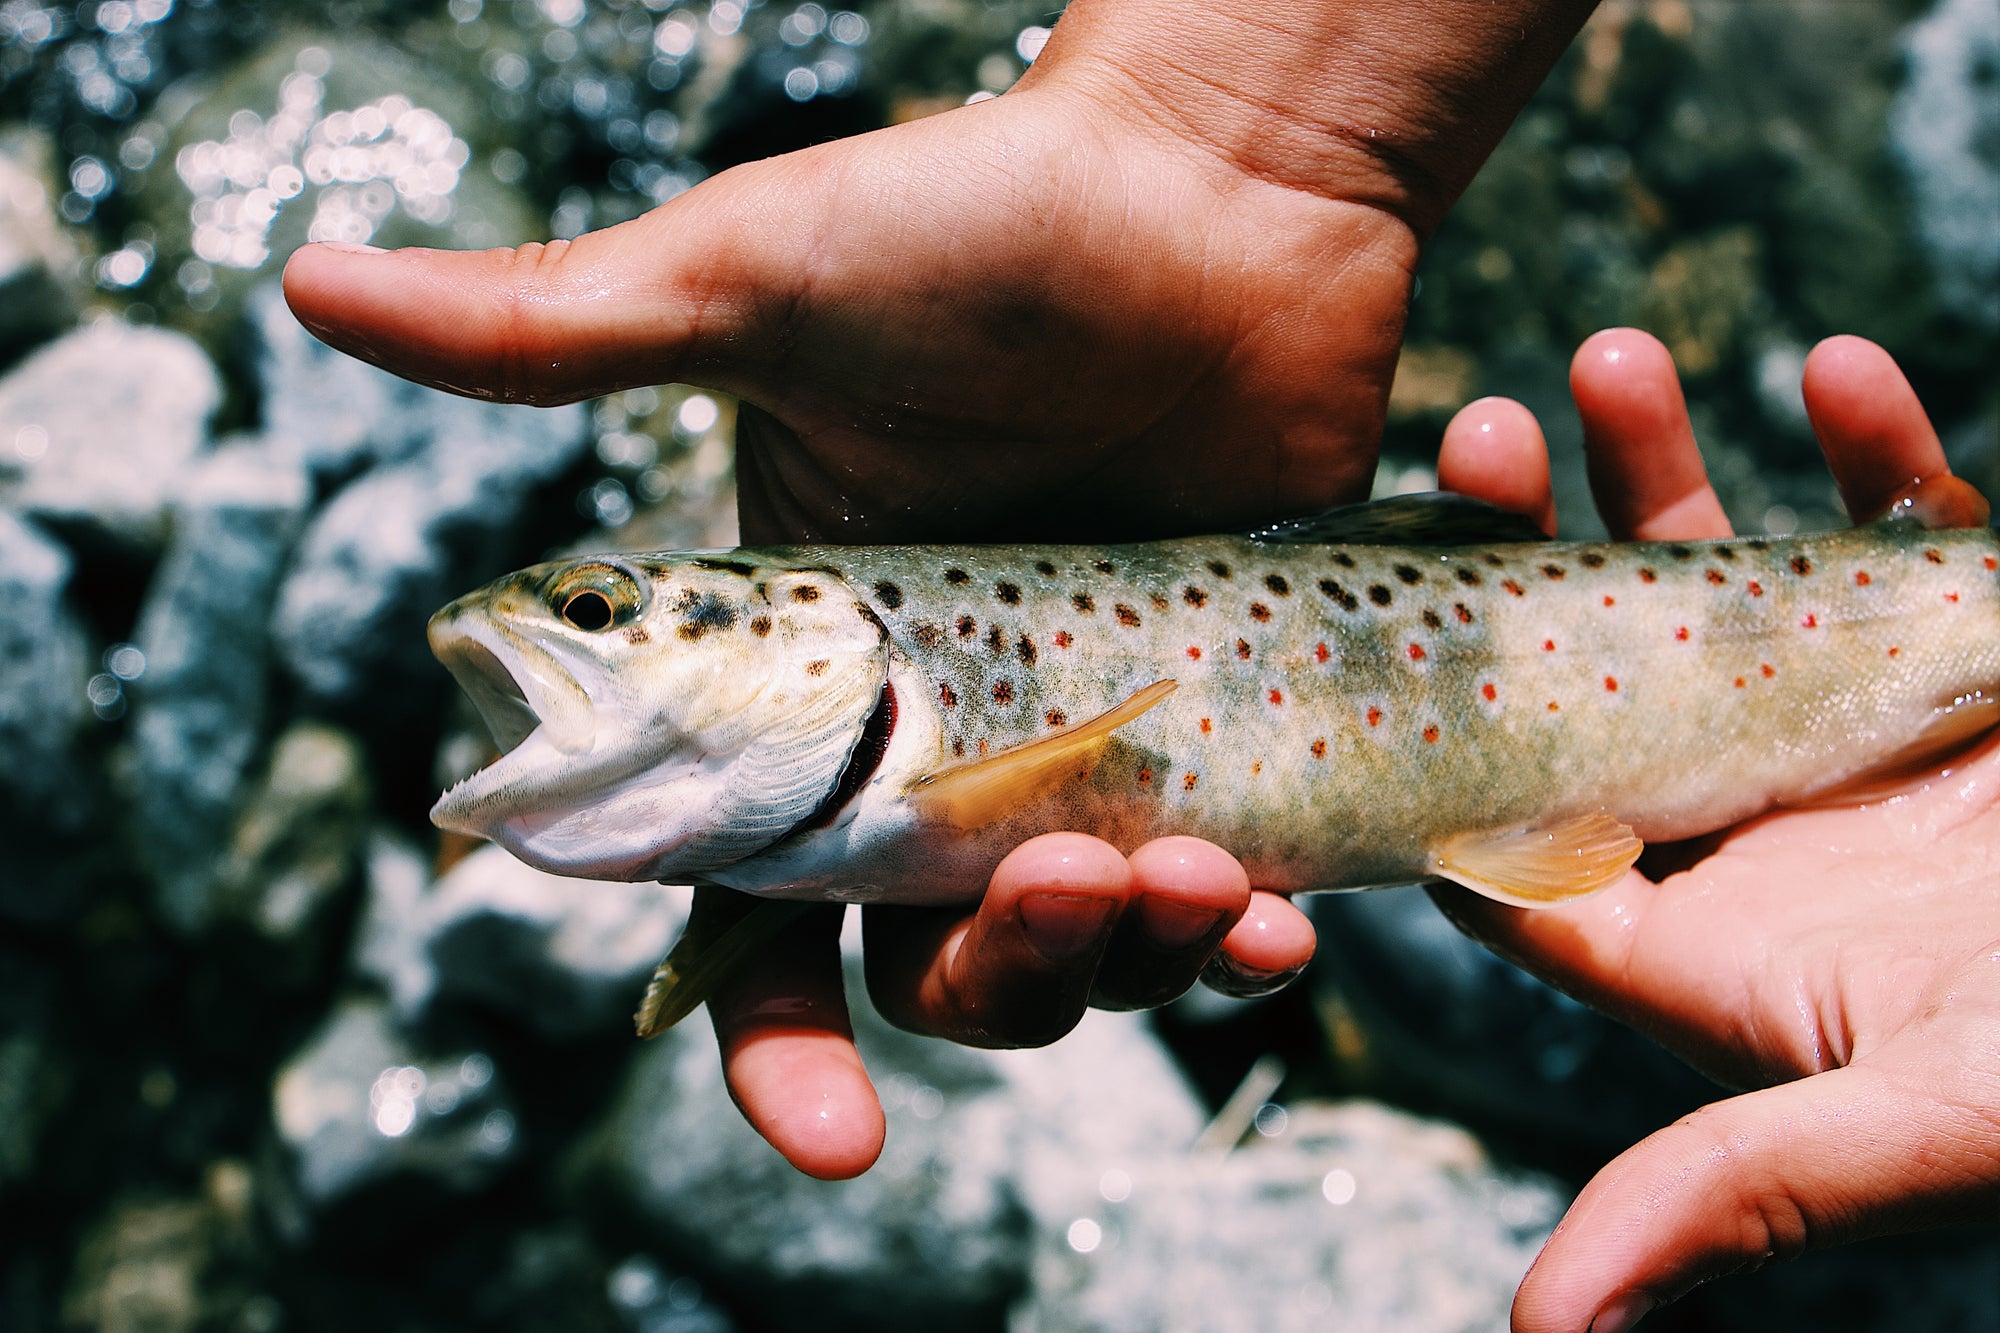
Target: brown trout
1419	688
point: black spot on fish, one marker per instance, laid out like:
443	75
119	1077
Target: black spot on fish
1463	612
1592	560
1679	552
1025	649
957	576
891	595
637	635
1276	583
958	748
1194	596
1126	616
947	696
1010	593
1553	571
1468	576
1159	601
805	592
1342	598
1432	620
1045	569
1724	552
1259	612
995	639
1219	568
761	626
1243	649
736	567
1055	718
1409	574
1343	559
1104	566
1494	559
1758	544
1801	565
1083	602
1379	594
927	635
967	627
707	612
818	666
1003	692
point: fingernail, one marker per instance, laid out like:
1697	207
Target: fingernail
1622	1313
352	248
1178	926
1062	926
1225	976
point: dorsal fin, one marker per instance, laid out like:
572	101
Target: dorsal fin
1431	518
970	796
1943	501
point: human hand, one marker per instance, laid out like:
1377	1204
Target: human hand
1844	960
1031	317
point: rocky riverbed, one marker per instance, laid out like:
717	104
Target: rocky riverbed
273	1055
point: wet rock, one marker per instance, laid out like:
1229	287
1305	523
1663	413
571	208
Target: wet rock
31	1081
1419	1008
37	261
98	428
169	1265
566	957
45	802
1945	126
942	1220
439	508
1351	1215
373	1134
652	1301
392	942
200	707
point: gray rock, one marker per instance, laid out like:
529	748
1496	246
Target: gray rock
392	941
1945	126
1352	1216
38	264
45	800
943	1220
371	1128
97	429
437	509
199	713
567	957
31	1067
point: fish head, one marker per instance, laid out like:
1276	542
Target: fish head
657	716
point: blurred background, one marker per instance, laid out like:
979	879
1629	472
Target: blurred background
273	1056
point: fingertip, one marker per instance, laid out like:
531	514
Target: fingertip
1619	350
1266	949
1190	870
1493	450
809	1095
1061	862
1873	429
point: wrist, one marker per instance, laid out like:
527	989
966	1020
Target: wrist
1391	103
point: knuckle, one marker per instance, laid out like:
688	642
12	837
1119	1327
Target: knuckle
535	271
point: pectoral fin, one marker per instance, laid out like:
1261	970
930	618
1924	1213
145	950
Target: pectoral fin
973	795
724	928
1543	866
1951	729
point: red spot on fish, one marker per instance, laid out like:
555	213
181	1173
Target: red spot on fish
1319	748
982	749
1554	707
1206	726
1062	639
1716	576
1431	734
1512	586
1489	691
1951	597
1894	651
1417	653
1548	645
1277	697
1145	776
1810	622
1256	768
1611	601
1681	633
1932	554
1320	654
947	696
1055	718
1194	652
1739	682
1464	615
1768	670
1187	781
1259	612
1990	562
1861	579
1756	588
1374	717
1611	684
1648	576
1243	649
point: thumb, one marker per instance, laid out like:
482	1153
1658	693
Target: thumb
1768	1175
684	292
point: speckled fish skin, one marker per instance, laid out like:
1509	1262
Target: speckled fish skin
1341	710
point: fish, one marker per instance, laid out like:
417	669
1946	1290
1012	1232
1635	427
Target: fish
1414	689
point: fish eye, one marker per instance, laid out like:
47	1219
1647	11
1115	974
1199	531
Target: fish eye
595	597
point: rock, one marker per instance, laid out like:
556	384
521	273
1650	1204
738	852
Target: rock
1945	126
200	697
98	428
392	942
439	508
1353	1216
1416	1007
38	264
374	1134
46	802
942	1220
31	1081
566	957
141	1269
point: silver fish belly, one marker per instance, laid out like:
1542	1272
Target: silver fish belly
1341	715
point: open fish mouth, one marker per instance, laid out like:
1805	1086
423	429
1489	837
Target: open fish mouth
539	715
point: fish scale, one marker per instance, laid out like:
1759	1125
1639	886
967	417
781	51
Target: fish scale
1342	713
